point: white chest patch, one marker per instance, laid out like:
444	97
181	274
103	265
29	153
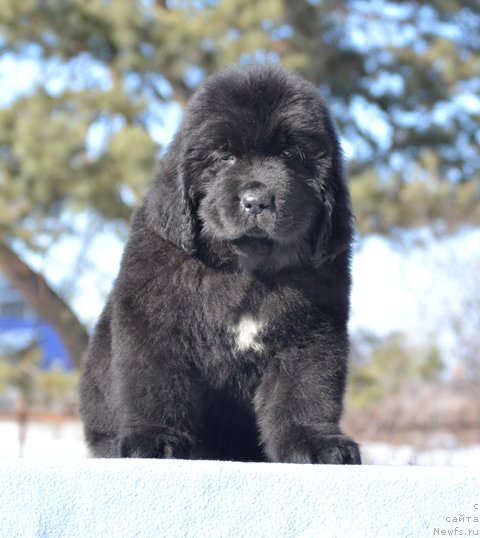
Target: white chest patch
246	334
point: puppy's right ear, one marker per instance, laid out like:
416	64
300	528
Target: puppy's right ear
170	211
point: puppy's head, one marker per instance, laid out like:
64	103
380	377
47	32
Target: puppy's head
258	170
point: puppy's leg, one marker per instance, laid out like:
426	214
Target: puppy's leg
298	406
158	405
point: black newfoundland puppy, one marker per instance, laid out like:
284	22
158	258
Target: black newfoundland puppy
225	336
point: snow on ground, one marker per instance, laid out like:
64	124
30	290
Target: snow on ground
385	454
54	441
63	441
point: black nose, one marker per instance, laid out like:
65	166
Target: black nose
255	201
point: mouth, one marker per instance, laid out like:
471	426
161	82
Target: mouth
256	233
252	245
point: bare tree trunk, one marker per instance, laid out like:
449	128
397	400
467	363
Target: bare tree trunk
43	299
22	420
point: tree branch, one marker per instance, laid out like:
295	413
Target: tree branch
45	301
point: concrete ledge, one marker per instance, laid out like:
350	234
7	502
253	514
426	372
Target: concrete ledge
155	498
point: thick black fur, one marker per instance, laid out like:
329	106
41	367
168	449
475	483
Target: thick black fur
225	336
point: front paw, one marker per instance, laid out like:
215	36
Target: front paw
150	445
336	449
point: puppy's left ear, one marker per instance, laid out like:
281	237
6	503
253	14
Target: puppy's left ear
170	210
334	232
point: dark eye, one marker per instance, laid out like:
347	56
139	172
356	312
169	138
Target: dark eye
293	153
226	156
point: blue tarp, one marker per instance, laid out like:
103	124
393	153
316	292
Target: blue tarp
18	332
